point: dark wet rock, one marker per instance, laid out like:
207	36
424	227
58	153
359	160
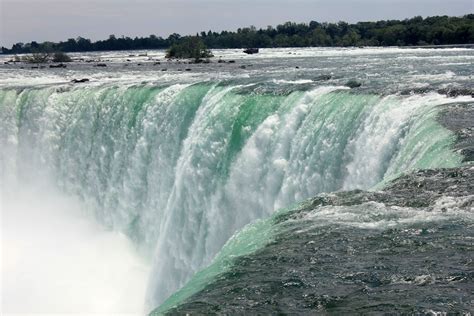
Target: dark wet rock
187	69
139	64
164	69
353	84
101	65
251	51
323	78
450	91
199	61
297	67
129	60
80	80
34	67
243	67
6	63
157	63
220	61
455	92
231	61
58	66
420	90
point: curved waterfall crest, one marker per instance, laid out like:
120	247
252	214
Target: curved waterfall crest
181	168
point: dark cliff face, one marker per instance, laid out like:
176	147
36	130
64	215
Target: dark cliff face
405	249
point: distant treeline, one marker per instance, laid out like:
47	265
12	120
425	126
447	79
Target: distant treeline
437	30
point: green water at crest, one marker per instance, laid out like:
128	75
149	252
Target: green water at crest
182	168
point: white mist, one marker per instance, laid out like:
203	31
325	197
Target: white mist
54	259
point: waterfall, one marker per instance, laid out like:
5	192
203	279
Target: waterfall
181	168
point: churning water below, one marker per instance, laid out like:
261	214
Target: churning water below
57	260
179	162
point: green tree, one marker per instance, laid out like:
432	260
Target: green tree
60	57
190	47
351	38
320	38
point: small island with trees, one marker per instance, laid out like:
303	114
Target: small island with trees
189	48
417	31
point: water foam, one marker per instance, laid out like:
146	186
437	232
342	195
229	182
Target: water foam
55	259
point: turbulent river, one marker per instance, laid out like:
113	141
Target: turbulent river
236	187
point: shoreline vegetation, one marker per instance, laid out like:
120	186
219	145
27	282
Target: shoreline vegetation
430	32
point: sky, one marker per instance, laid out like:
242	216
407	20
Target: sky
55	20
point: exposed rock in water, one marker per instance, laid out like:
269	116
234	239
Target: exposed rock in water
251	51
58	66
454	92
420	90
323	78
450	92
101	65
353	84
80	80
